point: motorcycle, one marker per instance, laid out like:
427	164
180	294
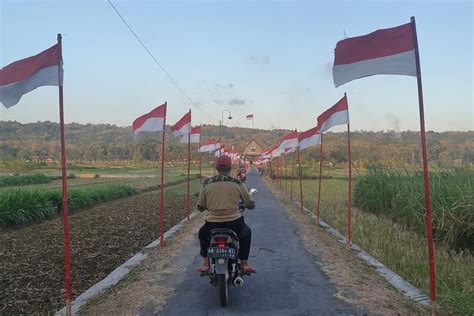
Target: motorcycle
242	175
224	266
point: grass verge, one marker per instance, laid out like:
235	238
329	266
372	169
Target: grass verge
398	247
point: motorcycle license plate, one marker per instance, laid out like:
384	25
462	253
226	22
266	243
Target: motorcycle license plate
214	252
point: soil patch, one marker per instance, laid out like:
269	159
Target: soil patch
102	238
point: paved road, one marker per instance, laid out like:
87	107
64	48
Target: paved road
288	281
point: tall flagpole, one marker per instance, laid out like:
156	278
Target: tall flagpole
349	196
429	228
162	186
301	175
292	176
286	176
65	207
189	171
320	178
200	155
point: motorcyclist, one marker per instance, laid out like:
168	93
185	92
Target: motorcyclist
220	195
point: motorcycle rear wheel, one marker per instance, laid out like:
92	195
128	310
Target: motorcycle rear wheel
223	289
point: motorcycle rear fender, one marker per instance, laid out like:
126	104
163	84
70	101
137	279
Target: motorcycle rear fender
221	268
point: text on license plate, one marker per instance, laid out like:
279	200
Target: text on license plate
215	252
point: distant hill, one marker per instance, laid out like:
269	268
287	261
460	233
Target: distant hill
105	142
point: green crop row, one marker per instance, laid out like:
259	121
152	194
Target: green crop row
22	206
14	180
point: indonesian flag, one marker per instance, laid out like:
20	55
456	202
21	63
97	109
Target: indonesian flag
183	126
289	150
309	138
151	122
338	114
289	141
250	117
220	150
209	146
267	154
387	51
195	136
276	152
23	76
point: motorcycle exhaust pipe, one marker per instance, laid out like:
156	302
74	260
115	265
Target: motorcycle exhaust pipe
238	282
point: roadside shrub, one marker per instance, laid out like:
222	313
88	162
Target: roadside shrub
400	194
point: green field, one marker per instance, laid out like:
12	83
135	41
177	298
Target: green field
30	198
396	245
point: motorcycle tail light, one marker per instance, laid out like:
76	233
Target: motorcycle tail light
220	240
221	245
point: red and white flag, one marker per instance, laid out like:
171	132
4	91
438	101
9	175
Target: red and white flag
23	76
151	122
338	114
250	117
209	146
290	150
267	154
309	138
195	136
277	152
387	51
183	126
290	140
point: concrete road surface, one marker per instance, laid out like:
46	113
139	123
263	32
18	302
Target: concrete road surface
287	282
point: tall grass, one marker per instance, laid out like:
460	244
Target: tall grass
399	247
15	180
400	195
20	206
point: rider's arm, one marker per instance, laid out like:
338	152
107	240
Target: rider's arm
201	204
246	198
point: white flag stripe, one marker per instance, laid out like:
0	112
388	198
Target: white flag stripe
315	139
194	138
153	124
185	130
398	64
289	143
11	93
338	118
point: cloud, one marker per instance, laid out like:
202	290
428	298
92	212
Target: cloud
224	86
219	101
259	60
393	121
236	101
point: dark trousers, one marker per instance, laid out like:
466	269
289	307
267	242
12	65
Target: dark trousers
238	226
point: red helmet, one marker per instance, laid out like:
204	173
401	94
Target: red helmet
224	163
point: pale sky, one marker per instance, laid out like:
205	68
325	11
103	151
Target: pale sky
269	58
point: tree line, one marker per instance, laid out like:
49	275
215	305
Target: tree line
106	142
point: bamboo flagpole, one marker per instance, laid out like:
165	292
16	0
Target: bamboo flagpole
292	176
286	175
200	158
65	207
426	177
391	51
300	176
320	178
349	195
162	185
188	206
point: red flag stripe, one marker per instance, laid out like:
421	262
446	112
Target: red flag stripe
159	112
341	105
377	44
186	119
25	68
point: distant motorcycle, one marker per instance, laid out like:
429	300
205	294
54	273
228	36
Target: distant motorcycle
242	175
224	266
